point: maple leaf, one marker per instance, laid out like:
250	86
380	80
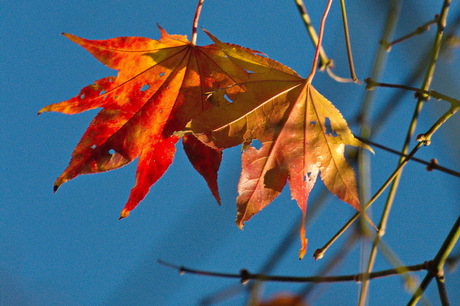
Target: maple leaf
161	85
302	134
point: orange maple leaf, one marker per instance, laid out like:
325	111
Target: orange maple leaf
161	85
301	132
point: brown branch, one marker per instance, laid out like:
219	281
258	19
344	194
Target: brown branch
245	276
431	165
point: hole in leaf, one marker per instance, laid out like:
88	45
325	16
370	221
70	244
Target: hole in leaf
313	122
145	87
112	151
82	96
161	74
256	144
103	92
93	146
228	99
329	129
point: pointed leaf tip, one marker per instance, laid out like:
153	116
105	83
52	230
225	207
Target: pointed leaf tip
303	249
124	213
55	188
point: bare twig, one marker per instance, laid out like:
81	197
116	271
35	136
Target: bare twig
421	29
423	139
244	276
325	62
436	266
419	92
436	47
431	165
347	41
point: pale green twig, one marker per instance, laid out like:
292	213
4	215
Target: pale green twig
421	98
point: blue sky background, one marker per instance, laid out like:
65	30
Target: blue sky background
69	247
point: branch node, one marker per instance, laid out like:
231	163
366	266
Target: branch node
421	96
370	84
319	253
432	165
245	277
424	139
386	45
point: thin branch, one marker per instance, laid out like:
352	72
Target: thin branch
421	29
424	139
394	9
347	41
195	21
431	165
338	258
371	84
440	281
244	276
320	40
278	252
340	79
436	266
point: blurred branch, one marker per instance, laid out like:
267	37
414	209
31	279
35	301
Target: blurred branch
393	101
324	60
364	164
279	251
421	29
423	139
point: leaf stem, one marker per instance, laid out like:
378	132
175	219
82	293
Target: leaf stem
195	22
320	40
